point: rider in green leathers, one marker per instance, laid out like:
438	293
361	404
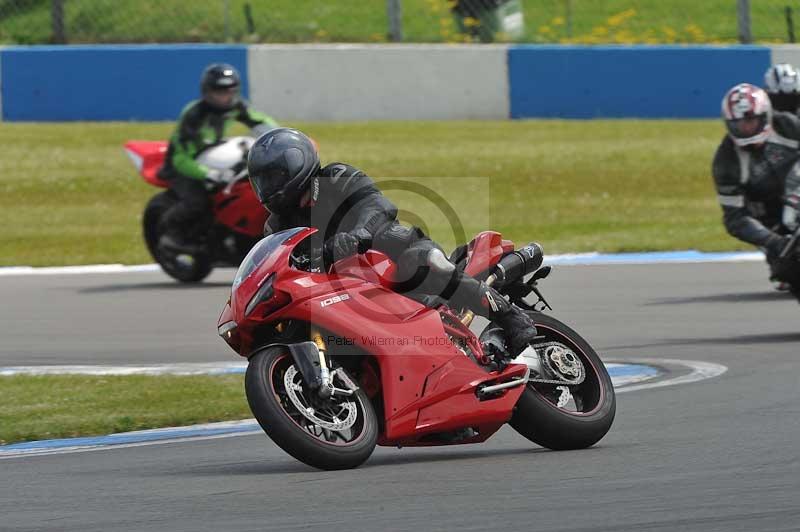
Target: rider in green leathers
202	124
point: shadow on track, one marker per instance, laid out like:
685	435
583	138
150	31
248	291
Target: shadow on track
748	297
747	339
166	285
402	458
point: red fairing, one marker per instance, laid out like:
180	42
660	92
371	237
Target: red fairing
484	251
427	383
148	157
239	209
372	266
235	207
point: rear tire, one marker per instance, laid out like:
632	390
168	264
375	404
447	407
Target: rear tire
152	227
537	416
283	423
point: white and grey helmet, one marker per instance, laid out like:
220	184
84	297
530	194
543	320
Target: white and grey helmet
782	83
782	78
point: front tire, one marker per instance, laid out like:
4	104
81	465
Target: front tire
295	432
588	415
192	269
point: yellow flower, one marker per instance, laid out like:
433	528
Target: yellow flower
545	29
471	22
557	21
620	18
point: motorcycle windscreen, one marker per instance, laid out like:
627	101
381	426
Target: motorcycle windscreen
263	249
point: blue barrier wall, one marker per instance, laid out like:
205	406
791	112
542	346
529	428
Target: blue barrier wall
628	81
152	82
54	83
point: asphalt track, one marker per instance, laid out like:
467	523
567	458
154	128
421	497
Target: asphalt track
720	454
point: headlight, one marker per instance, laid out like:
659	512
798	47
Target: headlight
228	332
264	293
226	329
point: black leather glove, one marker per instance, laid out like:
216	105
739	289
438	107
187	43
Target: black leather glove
775	245
341	245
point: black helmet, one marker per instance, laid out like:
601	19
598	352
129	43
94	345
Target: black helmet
281	164
218	77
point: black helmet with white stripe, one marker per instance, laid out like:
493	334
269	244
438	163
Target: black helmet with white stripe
219	86
782	83
282	165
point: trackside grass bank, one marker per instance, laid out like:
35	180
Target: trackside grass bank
609	21
63	406
71	196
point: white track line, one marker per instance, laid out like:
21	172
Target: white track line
700	371
75	270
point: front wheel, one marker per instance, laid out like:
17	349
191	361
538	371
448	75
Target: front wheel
336	433
576	408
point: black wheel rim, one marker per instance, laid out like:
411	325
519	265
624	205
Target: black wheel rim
329	410
584	398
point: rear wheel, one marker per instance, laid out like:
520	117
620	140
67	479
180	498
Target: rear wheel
336	433
570	404
180	266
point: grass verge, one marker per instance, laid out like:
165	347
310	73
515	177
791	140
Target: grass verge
63	406
71	196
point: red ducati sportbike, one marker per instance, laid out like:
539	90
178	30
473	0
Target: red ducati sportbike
238	217
339	362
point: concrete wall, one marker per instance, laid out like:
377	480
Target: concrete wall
383	82
388	82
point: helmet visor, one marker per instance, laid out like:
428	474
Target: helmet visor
749	126
266	188
225	98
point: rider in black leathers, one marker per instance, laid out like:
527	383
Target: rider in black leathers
352	215
755	171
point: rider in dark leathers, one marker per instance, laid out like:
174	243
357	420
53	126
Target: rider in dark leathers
353	215
755	170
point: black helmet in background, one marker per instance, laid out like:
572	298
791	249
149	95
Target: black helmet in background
282	164
219	86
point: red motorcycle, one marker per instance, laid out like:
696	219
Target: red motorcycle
238	217
339	362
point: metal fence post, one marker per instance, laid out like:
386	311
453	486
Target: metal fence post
743	15
568	10
394	12
226	5
57	21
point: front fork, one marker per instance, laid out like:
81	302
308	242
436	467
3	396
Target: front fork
310	358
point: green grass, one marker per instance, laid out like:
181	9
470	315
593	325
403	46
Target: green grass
63	406
69	195
28	21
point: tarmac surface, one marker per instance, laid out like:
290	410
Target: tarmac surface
719	454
